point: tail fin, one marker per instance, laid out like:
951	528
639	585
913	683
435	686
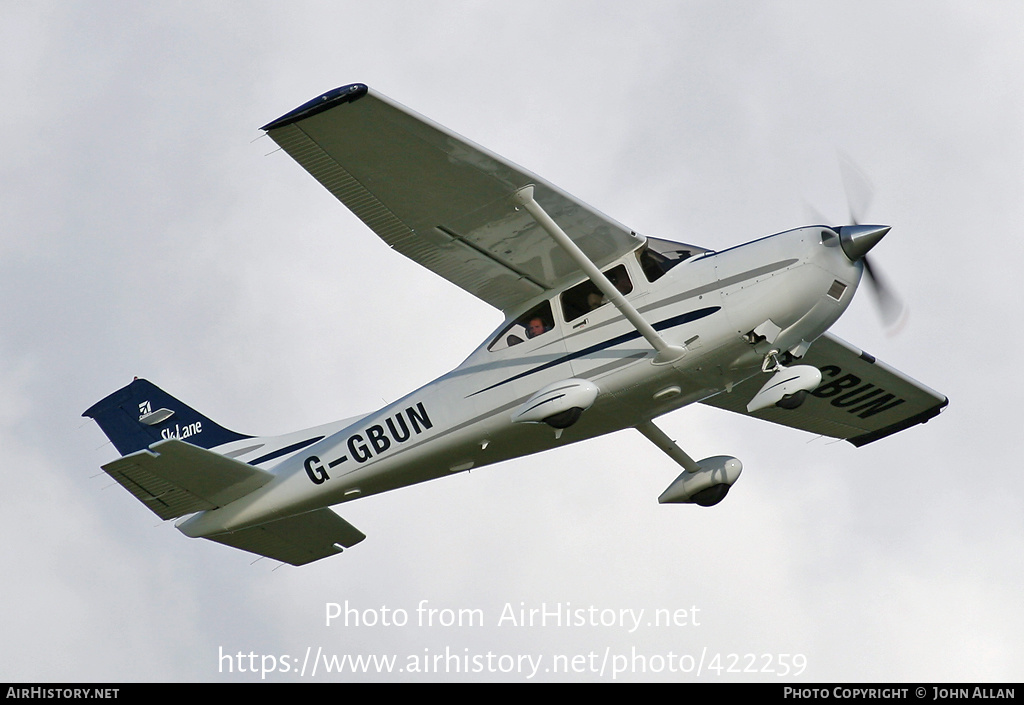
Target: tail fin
141	414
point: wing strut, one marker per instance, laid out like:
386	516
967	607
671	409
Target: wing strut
666	353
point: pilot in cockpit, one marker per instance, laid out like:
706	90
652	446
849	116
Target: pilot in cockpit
536	326
537	321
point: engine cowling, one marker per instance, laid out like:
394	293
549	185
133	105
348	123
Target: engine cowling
706	487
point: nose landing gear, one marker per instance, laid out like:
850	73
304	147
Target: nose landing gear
788	387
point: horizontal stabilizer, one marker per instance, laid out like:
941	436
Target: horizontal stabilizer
296	540
174	478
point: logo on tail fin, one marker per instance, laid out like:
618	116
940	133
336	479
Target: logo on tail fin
182	432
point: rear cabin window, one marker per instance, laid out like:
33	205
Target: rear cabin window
584	298
532	324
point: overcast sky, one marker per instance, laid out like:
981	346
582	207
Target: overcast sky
146	231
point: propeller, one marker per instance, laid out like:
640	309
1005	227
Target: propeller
857	239
890	306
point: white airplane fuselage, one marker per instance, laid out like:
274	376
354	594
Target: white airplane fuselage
727	310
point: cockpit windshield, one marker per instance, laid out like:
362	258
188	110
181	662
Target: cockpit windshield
658	256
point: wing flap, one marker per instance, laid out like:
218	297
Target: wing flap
174	478
860	399
441	200
296	540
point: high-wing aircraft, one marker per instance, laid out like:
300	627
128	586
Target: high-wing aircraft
604	330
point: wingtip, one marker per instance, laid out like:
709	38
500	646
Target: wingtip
344	94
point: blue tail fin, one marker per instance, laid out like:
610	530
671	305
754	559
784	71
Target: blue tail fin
141	414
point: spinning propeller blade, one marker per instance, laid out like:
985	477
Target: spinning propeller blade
862	238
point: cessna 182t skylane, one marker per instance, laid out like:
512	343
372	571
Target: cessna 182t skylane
604	330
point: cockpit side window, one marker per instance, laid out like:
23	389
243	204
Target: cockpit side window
532	324
585	297
658	256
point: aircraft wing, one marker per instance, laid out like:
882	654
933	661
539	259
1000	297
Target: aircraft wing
296	540
860	399
441	200
174	478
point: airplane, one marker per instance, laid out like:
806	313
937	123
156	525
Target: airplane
605	329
